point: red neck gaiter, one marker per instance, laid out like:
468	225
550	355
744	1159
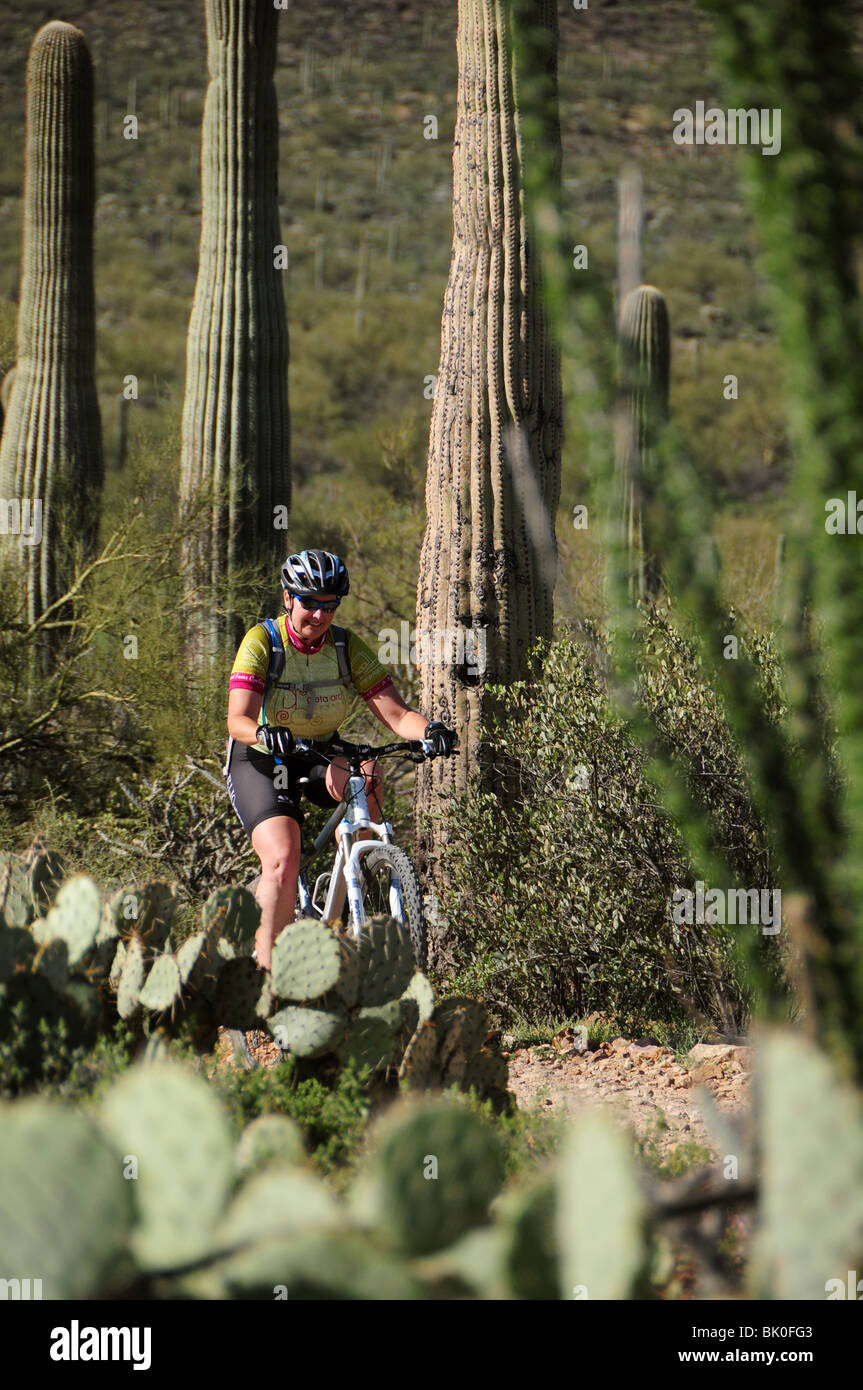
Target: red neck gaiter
296	640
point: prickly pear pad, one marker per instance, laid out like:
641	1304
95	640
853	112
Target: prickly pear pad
234	914
52	961
811	1140
189	954
420	1063
307	1032
131	980
65	1209
269	1139
169	1121
16	900
370	1043
598	1210
75	917
421	991
434	1171
235	1003
386	960
163	988
307	961
280	1201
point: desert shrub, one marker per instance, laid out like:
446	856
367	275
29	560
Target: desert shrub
558	891
333	1117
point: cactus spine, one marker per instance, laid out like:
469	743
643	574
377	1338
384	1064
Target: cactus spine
645	357
51	452
489	558
235	444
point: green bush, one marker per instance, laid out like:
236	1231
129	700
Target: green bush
558	887
332	1118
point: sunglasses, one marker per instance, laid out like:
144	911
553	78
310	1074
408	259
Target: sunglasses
311	605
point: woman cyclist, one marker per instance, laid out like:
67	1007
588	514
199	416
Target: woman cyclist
309	700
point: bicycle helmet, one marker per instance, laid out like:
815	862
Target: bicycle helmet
312	573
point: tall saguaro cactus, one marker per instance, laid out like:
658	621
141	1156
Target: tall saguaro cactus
489	558
645	359
630	220
235	445
51	452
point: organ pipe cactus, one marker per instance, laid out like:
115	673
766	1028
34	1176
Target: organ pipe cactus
489	559
51	451
645	356
235	434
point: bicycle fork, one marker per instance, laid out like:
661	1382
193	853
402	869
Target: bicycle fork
346	870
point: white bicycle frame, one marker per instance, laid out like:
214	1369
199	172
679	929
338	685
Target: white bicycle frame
345	876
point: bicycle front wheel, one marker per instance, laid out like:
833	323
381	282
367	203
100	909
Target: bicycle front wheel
390	887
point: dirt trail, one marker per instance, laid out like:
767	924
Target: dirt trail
635	1080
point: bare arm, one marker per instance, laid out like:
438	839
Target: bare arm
244	707
389	707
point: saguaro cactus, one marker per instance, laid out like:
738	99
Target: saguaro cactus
489	558
51	452
235	445
645	358
630	219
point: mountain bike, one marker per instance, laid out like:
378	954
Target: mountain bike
367	876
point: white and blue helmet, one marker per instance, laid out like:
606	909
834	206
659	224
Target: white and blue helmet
312	573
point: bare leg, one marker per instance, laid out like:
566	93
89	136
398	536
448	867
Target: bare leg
276	841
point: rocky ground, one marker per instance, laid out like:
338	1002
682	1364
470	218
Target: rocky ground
636	1079
639	1081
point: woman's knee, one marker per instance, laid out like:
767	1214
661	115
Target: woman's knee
278	848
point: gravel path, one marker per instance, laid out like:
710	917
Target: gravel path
636	1079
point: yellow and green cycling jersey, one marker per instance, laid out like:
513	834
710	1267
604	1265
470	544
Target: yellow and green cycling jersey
310	698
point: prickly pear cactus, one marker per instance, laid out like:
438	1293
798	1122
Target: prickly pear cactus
16	900
308	1032
65	1208
386	961
47	871
237	1002
131	980
307	961
598	1212
234	915
75	918
163	988
811	1138
269	1139
435	1169
169	1124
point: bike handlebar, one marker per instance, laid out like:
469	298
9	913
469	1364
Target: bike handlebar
418	749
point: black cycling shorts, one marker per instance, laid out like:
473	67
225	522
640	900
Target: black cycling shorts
250	775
